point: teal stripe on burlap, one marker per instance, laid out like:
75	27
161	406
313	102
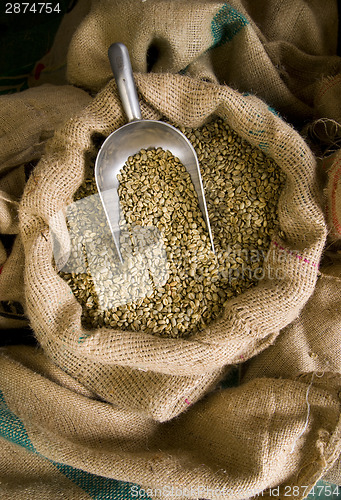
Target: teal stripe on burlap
97	487
12	428
226	24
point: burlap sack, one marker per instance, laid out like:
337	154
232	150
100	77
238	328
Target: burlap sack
328	99
11	188
332	192
177	371
11	250
27	120
311	344
324	132
324	137
51	68
57	441
251	46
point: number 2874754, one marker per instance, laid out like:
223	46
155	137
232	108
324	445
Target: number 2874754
32	8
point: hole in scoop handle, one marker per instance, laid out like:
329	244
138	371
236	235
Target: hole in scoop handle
121	67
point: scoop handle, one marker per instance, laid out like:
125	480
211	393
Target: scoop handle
121	67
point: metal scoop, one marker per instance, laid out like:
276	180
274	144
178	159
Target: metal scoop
131	138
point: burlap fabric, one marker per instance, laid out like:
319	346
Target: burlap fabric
177	371
324	137
51	68
11	252
27	120
62	442
326	132
327	99
332	167
311	344
278	50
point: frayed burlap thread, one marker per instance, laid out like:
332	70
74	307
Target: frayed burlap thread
109	361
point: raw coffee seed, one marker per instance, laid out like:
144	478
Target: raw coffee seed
242	187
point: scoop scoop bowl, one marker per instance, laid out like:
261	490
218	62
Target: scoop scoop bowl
129	139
